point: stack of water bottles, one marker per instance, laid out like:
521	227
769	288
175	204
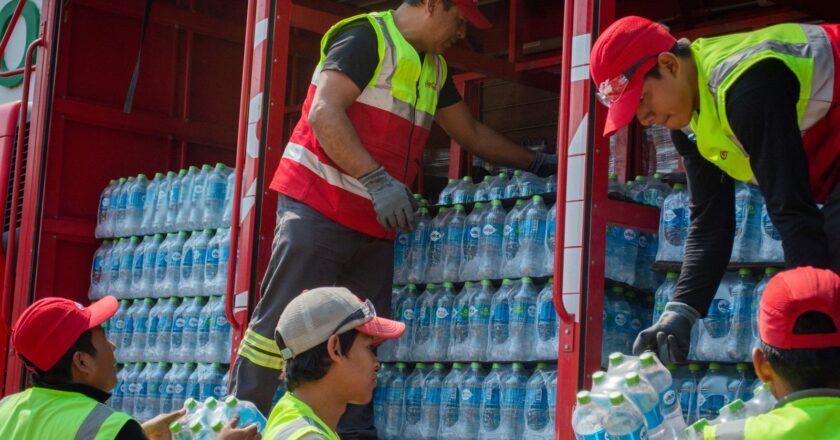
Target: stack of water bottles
516	322
756	239
630	255
467	402
647	190
205	419
625	314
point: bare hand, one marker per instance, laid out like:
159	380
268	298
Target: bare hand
230	432
157	428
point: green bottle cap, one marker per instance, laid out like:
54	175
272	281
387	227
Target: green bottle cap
448	285
742	367
507	282
735	405
401	365
496	202
646	359
640	178
714	366
195	427
542	365
478	205
190	404
632	379
616	359
468	284
496	366
142	176
537	198
170	174
672	275
616	398
420	365
467	179
430	286
517	366
527	280
438	365
679	186
158	176
123	180
412	286
599	377
182	172
175	427
459	208
211	402
583	398
744	271
475	365
206	167
193	169
519	202
613	177
486	283
617	289
457	366
693	367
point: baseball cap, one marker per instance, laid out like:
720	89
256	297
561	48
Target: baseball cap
619	60
470	10
50	326
790	294
315	315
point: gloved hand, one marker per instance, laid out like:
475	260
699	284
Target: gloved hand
669	337
393	202
543	165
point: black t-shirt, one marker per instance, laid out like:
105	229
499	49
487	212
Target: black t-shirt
354	52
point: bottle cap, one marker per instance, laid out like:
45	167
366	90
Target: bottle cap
517	365
714	366
679	186
646	359
735	405
438	365
613	176
693	367
475	365
211	402
496	366
190	403
527	280
175	427
771	270
632	378
496	202
206	167
457	365
468	284
486	283
419	365
537	198
583	398
672	275
401	365
467	179
195	426
599	377
742	367
448	285
744	271
616	359
170	173
459	208
542	365
616	398
158	176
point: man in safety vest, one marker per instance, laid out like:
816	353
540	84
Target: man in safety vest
328	337
73	370
343	179
757	106
798	357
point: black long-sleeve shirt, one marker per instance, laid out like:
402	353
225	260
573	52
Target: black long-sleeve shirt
761	107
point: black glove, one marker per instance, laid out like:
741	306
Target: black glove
392	201
670	336
543	165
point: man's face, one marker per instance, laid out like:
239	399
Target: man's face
358	373
446	27
100	370
668	100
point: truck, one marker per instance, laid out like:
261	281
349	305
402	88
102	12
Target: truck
139	86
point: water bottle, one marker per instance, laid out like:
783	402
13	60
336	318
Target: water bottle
383	379
130	394
464	192
213	283
179	390
656	191
406	310
695	431
174	202
246	411
95	291
422	337
149	204
658	376
119	216
646	399
469	414
523	313
483	189
587	418
220	332
203	350
747	223
193	315
664	293
489	252
161	282
500	322
172	284
418	252
712	393
118	329
532	238
154	395
740	336
437	238
635	192
512	403
445	197
479	321
104	210
510	240
134	206
185	198
141	408
491	404
430	407
497	187
512	186
186	284
756	302
135	275
733	411
441	323
623	421
394	402
200	249
529	185
125	266
622	316
619	366
402	246
688	393
548	340
148	272
198	198
119	390
413	402
637	315
178	351
453	243
673	226
157	222
472	233
715	328
110	269
168	387
460	322
770	247
141	329
227	214
224	260
215	377
450	401
214	203
155	332
762	401
536	406
738	386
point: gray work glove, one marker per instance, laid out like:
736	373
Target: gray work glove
393	202
543	165
670	336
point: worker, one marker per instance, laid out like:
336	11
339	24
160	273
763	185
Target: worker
328	338
345	174
798	357
756	106
73	369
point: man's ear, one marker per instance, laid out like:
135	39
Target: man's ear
762	366
334	349
82	364
668	63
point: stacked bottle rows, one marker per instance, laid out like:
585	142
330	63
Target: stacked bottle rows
465	403
190	200
146	389
646	190
626	313
489	243
756	239
630	254
516	322
204	420
523	184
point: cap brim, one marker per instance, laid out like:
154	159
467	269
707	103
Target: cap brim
102	311
622	111
382	328
475	17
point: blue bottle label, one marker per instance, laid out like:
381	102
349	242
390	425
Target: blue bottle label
501	313
137	199
217	191
522	313
667	399
600	435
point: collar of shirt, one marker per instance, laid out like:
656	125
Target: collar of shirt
804	394
87	390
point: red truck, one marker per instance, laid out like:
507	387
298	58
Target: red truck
222	81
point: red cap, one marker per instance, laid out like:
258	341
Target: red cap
623	45
791	293
470	10
50	326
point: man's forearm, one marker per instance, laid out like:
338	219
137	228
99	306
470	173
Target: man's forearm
493	147
340	141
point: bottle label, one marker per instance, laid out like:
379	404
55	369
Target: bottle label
522	313
178	324
475	232
192	323
200	256
599	435
533	230
673	227
492	229
217	191
442	313
767	226
501	313
408	314
141	324
137	199
220	323
436	235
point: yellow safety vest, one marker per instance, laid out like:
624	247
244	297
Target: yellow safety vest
292	419
45	414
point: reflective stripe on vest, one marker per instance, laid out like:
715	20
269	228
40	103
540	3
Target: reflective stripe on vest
805	49
292	419
298	428
93	422
299	153
726	431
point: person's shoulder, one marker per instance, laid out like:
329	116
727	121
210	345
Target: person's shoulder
313	436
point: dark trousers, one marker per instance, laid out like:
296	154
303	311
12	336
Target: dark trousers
309	251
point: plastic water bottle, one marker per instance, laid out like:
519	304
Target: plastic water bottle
406	310
759	290
149	203
712	392
124	259
220	332
482	190
422	335
479	321
224	260
460	327
402	246
214	203
490	242
413	402
179	390
733	411
161	287
118	395
664	293
383	379
179	322
227	214
246	411
213	383
95	291
418	252
148	275
104	210
536	406
394	402
164	329
636	191
453	243
172	283
512	407
646	399
761	402
155	388
739	385
155	332
121	212
770	247
445	197
655	192
745	246
658	376
546	324
110	270
491	404
740	336
204	352
472	234
497	187
622	317
212	281
717	324
437	239
499	335
199	198
469	415
532	238
512	187
185	197
197	279
529	185
141	408
673	225
587	418
510	240
614	187
186	284
688	393
157	217
430	408
695	431
193	316
141	329
464	192
623	420
121	321
441	323
131	388
550	232
135	277
450	401
523	313
136	202
174	200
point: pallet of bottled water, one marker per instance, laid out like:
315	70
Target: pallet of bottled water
204	419
465	401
